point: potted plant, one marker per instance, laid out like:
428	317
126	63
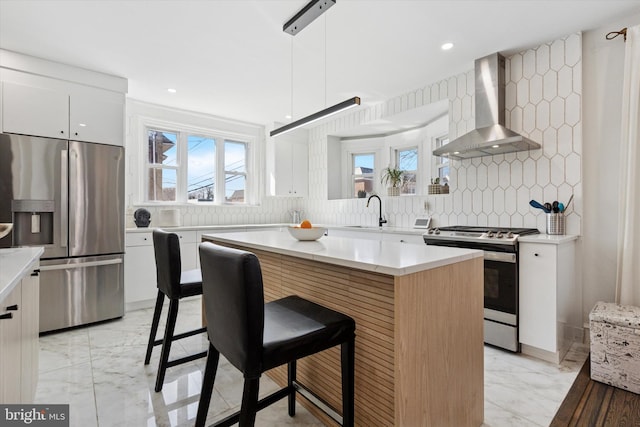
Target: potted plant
392	176
435	188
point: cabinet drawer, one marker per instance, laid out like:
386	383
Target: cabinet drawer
139	239
187	236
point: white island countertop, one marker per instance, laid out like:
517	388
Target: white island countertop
392	258
14	264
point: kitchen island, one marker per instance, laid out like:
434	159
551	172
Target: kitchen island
418	312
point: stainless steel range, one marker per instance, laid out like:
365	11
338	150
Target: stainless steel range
500	246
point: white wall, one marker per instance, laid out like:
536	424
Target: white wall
543	97
603	62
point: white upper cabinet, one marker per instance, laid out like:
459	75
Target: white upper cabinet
34	111
96	116
291	167
83	113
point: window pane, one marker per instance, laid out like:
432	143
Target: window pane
363	174
235	155
162	185
163	147
408	183
234	188
408	159
443	174
201	169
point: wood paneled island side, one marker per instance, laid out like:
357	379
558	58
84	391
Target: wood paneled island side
418	312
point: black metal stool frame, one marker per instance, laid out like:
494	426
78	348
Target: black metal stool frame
245	264
175	284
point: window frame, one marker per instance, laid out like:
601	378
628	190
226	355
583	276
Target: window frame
353	171
145	124
438	162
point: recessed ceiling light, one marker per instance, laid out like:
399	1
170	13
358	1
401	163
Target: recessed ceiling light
495	146
82	125
456	152
287	116
446	46
171	90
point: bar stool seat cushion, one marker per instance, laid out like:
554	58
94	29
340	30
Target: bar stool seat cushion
190	283
295	328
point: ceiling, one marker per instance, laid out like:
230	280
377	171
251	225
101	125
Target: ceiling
232	59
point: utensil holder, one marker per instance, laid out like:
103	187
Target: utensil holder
556	223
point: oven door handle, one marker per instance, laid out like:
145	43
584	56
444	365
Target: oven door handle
500	257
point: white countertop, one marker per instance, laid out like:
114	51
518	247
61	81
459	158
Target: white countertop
548	238
393	258
14	265
249	227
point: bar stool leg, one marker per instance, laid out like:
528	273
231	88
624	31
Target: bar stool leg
154	326
166	344
207	385
291	377
249	402
347	350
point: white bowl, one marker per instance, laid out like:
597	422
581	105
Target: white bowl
307	233
5	228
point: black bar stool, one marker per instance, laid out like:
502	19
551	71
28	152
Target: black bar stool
175	284
256	337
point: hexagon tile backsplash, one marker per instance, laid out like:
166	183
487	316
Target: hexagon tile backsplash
543	102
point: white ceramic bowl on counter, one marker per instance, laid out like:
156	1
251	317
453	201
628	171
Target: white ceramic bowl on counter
306	234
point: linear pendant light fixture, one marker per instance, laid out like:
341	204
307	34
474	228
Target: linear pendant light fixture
293	26
307	15
344	105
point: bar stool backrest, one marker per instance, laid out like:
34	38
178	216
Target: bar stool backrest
234	305
166	247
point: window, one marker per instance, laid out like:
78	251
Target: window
407	160
442	163
191	167
362	174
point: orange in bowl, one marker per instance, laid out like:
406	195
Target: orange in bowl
306	224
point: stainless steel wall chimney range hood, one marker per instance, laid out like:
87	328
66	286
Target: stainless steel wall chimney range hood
490	136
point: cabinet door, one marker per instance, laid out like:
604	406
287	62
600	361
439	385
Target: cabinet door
300	168
415	239
139	268
10	348
97	116
30	329
188	249
537	300
34	111
283	161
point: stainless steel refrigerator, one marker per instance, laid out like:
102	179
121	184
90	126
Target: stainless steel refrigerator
67	196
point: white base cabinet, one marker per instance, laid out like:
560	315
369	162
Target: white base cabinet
19	347
140	284
547	299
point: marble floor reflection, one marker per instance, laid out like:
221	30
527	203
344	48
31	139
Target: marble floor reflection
99	371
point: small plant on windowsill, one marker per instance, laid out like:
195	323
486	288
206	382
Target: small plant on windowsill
435	187
392	176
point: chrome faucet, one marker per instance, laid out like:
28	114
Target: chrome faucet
380	220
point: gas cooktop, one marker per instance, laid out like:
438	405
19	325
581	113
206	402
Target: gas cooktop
464	233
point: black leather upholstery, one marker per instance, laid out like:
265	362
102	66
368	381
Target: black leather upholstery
256	337
175	284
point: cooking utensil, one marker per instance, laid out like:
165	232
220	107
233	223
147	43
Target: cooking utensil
561	207
548	207
538	205
555	206
568	203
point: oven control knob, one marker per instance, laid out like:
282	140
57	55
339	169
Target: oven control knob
510	235
490	234
430	231
436	231
499	235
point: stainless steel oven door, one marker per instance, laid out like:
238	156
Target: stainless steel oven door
501	287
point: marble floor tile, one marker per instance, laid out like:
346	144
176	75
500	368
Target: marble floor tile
99	370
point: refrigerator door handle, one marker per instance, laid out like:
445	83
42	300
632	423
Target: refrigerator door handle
73	175
64	199
80	265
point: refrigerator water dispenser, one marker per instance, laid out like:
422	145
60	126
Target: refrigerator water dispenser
33	222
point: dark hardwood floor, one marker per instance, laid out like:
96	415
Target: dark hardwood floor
591	403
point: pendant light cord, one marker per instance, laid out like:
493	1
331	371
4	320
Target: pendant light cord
291	113
325	61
